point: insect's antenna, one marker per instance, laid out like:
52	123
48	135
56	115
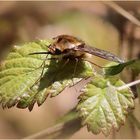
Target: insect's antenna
39	53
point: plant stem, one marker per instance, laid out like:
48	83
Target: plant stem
135	120
44	133
129	85
60	130
123	12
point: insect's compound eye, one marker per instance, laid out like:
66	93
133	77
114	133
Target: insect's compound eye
57	51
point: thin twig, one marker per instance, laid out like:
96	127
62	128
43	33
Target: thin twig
134	120
60	130
49	131
129	85
123	12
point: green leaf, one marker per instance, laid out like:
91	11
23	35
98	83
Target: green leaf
117	68
102	106
20	71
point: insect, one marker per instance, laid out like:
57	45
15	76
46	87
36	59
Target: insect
72	47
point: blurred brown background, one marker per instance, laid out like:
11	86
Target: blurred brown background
93	22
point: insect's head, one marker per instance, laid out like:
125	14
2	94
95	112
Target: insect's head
55	46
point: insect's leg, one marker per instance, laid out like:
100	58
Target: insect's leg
45	61
67	60
42	65
76	63
39	77
77	60
46	58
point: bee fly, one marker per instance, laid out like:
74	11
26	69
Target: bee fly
70	47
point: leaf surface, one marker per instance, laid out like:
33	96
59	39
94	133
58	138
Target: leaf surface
19	71
102	106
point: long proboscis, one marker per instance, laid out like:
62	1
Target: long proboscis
39	53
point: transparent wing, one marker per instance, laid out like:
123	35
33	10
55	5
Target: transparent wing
100	53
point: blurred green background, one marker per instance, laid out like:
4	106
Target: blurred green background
93	22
